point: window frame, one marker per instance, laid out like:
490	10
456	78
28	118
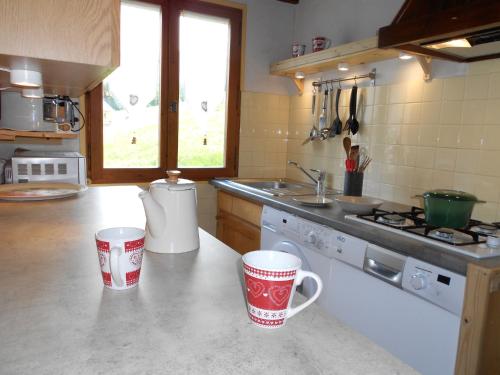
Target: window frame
169	93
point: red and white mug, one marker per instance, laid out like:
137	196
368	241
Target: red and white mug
320	43
271	278
120	253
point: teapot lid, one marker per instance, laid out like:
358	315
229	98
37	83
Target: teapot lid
173	182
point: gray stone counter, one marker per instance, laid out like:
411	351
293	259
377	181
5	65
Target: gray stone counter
187	316
334	217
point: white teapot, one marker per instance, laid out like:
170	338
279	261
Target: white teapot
172	223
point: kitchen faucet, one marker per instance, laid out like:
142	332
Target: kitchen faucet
320	182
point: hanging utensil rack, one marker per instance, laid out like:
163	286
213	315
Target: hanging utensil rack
370	75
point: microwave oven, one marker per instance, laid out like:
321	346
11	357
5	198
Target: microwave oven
49	166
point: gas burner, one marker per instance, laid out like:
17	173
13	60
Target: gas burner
392	219
443	234
485	228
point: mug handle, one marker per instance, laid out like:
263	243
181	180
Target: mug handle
328	43
301	275
114	265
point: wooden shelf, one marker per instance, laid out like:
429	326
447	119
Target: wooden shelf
360	52
11	135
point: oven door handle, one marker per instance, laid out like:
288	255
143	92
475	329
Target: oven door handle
269	227
383	272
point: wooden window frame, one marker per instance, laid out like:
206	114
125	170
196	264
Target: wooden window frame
171	10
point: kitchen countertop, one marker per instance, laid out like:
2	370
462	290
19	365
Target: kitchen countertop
187	316
334	217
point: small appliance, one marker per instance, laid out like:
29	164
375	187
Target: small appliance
170	206
48	166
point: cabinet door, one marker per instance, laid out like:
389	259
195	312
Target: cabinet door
237	233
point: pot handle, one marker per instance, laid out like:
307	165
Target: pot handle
418	196
480	201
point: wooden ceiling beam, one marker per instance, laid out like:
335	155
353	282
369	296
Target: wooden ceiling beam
290	1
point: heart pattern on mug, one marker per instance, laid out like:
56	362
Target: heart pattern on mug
279	294
255	288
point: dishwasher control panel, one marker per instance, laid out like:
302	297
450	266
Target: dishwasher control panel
435	284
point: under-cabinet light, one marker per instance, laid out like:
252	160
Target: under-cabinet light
456	43
344	67
300	75
32	93
405	56
25	78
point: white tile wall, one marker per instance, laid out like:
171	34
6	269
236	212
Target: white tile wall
421	135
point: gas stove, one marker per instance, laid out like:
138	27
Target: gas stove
471	241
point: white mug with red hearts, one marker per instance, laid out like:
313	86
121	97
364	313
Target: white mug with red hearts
271	278
120	253
320	43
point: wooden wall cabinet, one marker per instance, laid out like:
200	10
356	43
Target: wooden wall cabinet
74	44
238	222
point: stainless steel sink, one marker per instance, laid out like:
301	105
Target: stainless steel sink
279	187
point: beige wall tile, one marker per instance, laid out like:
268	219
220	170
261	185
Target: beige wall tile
491	138
442	180
489	163
428	135
492	115
433	90
468	161
412	113
473	112
425	157
487	188
379	114
448	136
446	159
395	114
397	93
464	182
451	113
380	95
414	91
470	137
494	90
422	178
454	88
409	135
430	113
476	86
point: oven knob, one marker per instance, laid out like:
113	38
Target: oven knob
418	281
311	238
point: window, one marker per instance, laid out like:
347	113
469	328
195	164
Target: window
174	100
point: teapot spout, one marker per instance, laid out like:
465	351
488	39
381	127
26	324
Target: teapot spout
154	213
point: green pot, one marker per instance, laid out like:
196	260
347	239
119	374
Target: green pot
448	208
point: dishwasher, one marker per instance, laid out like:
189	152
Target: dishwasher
409	307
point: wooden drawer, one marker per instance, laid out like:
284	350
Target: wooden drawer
238	222
239	207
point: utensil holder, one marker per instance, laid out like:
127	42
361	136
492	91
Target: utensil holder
353	184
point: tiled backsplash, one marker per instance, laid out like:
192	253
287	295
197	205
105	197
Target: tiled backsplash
263	135
440	134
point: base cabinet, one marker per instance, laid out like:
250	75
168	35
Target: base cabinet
238	222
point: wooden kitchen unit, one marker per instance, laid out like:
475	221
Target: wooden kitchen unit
238	222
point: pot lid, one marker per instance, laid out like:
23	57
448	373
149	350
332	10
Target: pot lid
454	195
173	182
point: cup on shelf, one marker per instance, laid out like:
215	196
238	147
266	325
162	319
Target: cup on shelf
298	49
320	43
270	280
120	253
353	183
